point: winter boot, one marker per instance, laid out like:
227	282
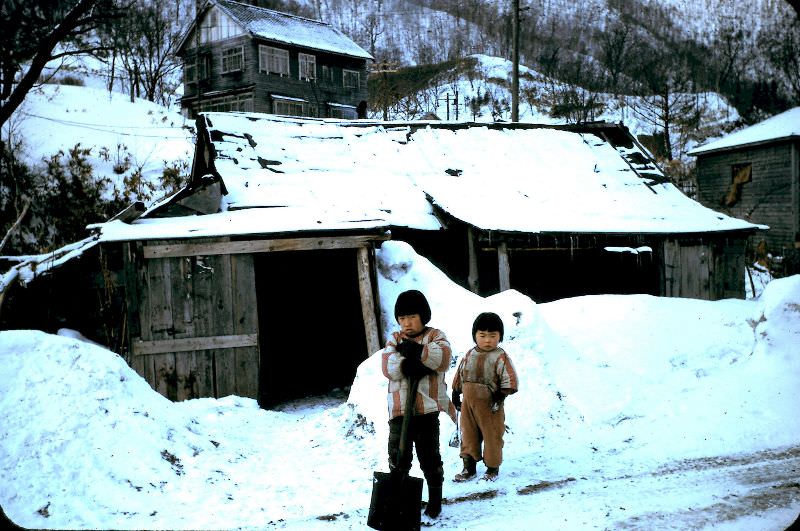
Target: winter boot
468	472
434	507
491	473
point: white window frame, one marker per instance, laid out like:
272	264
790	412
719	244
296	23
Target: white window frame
273	60
307	70
232	59
351	74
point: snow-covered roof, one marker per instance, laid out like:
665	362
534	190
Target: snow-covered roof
291	29
783	126
301	174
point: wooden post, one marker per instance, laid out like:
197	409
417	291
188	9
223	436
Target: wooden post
795	176
472	277
504	270
245	321
367	301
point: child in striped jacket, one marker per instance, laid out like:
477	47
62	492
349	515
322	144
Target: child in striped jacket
485	376
420	352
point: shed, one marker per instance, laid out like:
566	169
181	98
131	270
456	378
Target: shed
754	174
266	258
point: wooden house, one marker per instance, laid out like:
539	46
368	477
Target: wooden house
264	262
247	58
754	174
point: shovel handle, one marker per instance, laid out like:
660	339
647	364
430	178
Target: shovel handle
413	384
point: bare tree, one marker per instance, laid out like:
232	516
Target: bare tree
666	97
616	44
145	43
36	33
781	44
733	54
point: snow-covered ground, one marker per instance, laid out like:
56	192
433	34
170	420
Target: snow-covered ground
635	412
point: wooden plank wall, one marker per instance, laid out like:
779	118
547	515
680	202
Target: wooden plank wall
686	270
195	313
768	199
211	297
728	268
709	270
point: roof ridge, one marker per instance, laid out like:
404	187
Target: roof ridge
282	13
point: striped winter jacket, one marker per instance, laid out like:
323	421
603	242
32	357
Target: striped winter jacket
493	369
432	394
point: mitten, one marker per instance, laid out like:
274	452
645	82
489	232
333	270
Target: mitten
413	368
456	399
497	400
410	349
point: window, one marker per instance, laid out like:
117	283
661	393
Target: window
293	106
336	110
290	108
233	59
308	66
327	74
241	102
190	68
740	174
350	78
189	72
273	60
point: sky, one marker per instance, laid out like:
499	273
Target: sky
634	412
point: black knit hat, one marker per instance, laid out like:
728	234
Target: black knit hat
411	302
489	322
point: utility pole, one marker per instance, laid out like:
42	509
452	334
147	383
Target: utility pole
198	5
515	62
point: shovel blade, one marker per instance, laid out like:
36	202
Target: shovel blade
396	502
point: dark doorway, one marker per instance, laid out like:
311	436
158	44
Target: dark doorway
311	329
547	275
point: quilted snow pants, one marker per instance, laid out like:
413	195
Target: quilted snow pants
480	425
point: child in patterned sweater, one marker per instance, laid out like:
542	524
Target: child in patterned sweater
485	376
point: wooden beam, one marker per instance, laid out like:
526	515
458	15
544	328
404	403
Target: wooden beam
145	348
258	246
472	276
503	268
367	301
548	249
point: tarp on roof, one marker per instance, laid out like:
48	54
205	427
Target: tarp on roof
291	29
782	126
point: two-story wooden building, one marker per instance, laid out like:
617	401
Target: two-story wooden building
247	58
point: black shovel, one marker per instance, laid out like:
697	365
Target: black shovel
396	496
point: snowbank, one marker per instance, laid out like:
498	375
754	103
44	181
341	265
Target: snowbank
610	386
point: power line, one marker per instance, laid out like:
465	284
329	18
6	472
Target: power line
107	129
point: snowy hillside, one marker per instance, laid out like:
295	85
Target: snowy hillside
634	412
405	28
484	95
127	139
